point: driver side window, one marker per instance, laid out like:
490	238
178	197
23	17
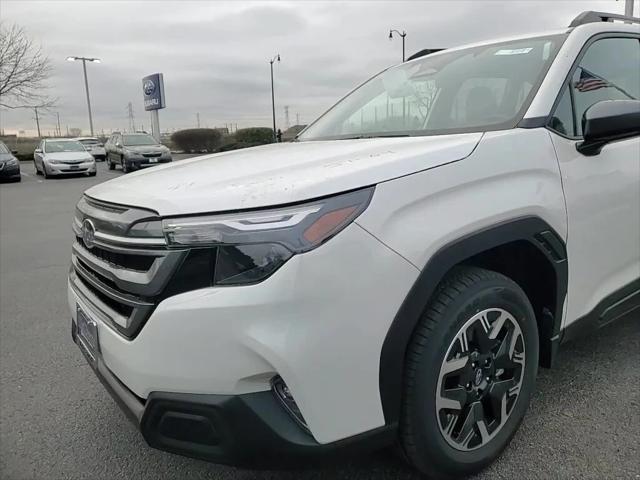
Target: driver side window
608	71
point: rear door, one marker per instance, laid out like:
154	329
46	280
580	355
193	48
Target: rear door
602	191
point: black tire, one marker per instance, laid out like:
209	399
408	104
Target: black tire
44	171
92	174
35	165
110	164
125	165
467	293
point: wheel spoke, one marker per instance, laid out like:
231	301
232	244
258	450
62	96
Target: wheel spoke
503	356
497	325
452	399
481	336
498	396
454	365
474	414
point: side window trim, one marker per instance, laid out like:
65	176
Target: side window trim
574	133
572	71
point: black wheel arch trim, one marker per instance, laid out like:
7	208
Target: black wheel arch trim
531	229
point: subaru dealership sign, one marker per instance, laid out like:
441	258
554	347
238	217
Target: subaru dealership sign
153	91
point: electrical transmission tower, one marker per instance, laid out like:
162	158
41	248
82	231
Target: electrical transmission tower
132	121
286	117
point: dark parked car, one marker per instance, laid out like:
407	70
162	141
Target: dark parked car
134	151
9	165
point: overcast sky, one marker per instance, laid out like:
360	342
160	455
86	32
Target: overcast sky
214	54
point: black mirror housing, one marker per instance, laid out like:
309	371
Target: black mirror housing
607	121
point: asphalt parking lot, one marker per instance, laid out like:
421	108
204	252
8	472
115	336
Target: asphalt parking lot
57	421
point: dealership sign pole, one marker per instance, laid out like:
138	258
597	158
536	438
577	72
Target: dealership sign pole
153	92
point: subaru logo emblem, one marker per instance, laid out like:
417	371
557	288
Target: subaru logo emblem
88	234
478	377
149	87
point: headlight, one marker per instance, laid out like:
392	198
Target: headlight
253	245
12	162
52	160
131	153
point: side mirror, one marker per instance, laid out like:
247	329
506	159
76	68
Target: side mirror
607	121
14	152
37	150
118	144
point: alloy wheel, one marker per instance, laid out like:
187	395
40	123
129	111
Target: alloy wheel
480	379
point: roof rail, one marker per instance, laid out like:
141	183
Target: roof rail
595	17
422	53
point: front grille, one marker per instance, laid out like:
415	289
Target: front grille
151	155
124	276
131	261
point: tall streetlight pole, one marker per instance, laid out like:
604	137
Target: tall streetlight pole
402	34
273	101
86	82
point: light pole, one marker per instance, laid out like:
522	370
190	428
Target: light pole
402	34
86	82
628	8
273	101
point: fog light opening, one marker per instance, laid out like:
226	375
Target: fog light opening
283	394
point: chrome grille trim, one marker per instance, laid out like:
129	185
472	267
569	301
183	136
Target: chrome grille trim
131	241
115	286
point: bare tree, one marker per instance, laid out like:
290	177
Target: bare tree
24	70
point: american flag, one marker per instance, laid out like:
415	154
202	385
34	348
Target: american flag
590	81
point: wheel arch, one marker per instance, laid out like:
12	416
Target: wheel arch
503	248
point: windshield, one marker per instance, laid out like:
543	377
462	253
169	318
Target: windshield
89	141
138	140
469	90
3	148
63	146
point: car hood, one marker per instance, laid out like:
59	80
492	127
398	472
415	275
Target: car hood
5	157
281	173
69	156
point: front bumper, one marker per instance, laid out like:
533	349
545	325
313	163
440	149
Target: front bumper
9	172
71	169
319	322
250	430
142	162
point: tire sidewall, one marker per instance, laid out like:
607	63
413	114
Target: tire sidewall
485	294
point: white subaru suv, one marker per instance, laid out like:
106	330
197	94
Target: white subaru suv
396	275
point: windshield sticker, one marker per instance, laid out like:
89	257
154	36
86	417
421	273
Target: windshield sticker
514	51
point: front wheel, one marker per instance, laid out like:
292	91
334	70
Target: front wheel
470	373
110	163
125	166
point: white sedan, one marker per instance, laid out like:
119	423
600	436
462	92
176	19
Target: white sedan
63	157
94	147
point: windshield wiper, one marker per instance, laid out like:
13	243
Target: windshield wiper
391	135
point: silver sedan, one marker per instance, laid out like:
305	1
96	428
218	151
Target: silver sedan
63	157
